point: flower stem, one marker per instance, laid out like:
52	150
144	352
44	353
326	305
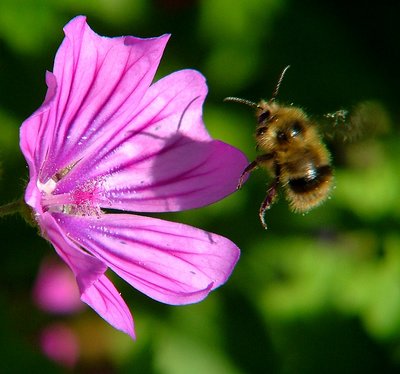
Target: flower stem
20	207
12	208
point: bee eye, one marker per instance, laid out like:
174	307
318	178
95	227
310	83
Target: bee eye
261	130
281	136
296	129
263	116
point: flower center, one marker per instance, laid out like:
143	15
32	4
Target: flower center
83	200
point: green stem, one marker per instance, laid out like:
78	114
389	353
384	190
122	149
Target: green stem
20	207
12	208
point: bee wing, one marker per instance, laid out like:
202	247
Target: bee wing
365	119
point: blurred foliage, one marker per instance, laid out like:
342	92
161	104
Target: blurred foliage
315	293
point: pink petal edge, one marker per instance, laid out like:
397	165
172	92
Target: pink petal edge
104	298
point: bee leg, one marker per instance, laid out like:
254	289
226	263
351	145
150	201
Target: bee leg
249	168
272	193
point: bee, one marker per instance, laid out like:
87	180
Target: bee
292	151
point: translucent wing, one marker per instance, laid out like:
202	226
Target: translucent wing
366	119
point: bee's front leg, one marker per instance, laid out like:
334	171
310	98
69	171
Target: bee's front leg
252	166
249	168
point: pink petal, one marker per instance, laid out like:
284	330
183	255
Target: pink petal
33	139
60	344
87	269
108	303
34	143
96	290
186	175
99	80
170	262
165	160
55	289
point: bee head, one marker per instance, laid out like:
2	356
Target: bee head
280	126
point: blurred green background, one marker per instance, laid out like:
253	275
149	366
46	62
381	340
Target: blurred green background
315	293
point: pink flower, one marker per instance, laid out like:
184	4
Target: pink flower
55	288
106	138
59	343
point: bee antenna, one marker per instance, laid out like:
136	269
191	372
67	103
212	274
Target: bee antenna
275	93
242	101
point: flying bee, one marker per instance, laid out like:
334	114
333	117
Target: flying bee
292	151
